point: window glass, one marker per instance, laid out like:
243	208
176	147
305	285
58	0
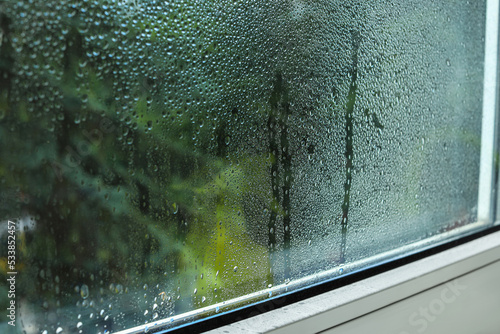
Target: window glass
157	157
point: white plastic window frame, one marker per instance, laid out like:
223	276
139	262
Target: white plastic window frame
351	303
342	305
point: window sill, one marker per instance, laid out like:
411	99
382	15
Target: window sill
342	305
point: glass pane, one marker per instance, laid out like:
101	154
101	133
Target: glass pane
158	157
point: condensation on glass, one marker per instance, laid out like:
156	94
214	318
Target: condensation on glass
163	156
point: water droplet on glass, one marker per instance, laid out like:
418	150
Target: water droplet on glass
84	291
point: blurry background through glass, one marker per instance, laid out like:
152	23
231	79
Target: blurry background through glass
162	156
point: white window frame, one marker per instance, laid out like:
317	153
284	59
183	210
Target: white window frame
352	302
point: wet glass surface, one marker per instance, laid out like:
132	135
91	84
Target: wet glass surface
161	156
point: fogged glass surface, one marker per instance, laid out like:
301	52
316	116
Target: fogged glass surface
161	156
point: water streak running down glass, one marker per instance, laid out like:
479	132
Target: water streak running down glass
160	157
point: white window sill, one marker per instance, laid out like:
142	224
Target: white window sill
404	285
